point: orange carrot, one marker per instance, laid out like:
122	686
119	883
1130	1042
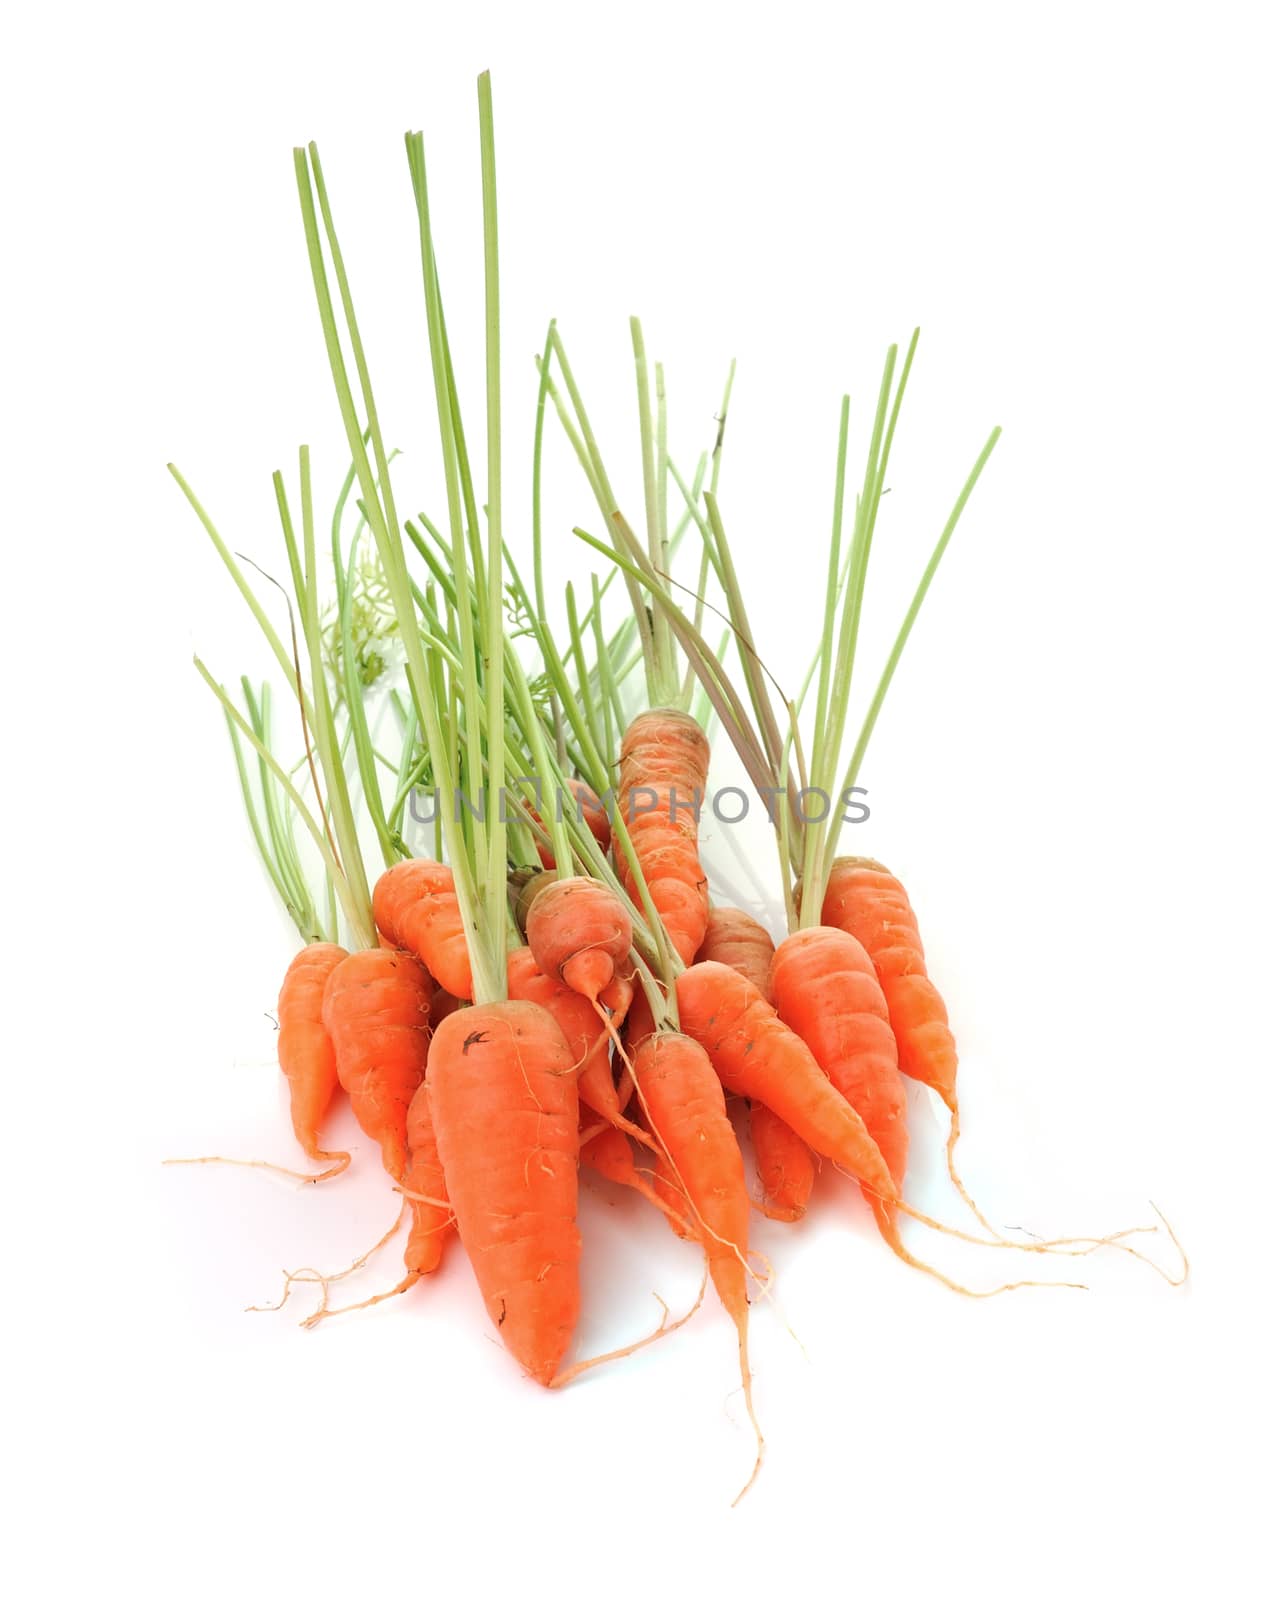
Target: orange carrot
825	988
504	1100
416	909
607	1150
375	1008
741	943
431	1221
580	933
663	775
441	1005
583	1026
755	1054
431	1224
783	1162
305	1051
864	899
684	1105
590	811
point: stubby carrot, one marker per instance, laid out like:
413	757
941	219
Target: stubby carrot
376	1009
416	909
504	1101
662	779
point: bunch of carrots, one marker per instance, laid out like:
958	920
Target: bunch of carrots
550	983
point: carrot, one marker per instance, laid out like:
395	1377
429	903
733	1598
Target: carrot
663	773
376	1010
684	1105
504	1100
416	909
755	1054
825	989
584	1029
441	1005
740	942
864	899
607	1150
305	1051
581	933
431	1220
308	1060
783	1162
590	810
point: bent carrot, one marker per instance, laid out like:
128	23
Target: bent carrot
504	1101
663	775
416	909
375	1008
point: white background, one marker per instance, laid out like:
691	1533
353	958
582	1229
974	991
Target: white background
1069	776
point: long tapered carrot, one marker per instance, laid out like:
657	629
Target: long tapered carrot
417	909
864	899
608	1151
504	1100
684	1104
784	1164
755	1054
662	780
375	1008
825	989
740	942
